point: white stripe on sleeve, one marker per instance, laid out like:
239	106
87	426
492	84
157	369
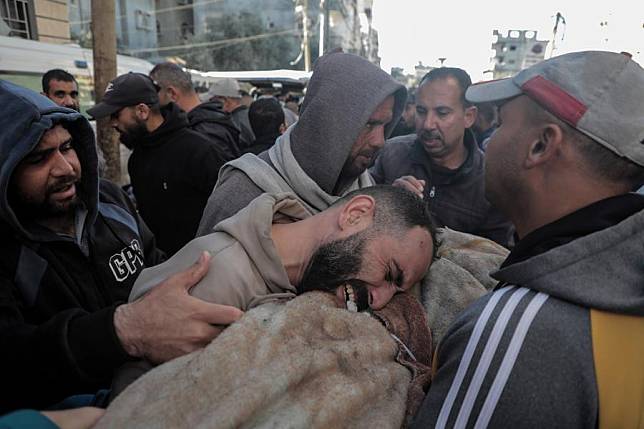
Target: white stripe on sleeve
486	358
463	366
509	359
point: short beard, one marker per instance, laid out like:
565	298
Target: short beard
132	135
48	208
335	264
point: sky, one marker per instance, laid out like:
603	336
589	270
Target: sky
461	31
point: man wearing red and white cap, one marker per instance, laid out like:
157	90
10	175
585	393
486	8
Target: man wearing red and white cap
560	341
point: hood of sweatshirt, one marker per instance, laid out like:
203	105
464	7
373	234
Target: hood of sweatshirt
28	116
603	270
251	227
343	92
174	119
211	111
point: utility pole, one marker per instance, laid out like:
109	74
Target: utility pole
321	19
559	18
327	30
104	48
305	35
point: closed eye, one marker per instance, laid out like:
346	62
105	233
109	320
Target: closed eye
400	277
395	276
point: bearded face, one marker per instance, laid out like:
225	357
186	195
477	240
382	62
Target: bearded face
44	184
132	133
334	265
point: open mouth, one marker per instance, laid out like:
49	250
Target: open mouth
65	191
434	140
350	298
356	296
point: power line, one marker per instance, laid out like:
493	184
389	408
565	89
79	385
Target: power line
158	11
216	42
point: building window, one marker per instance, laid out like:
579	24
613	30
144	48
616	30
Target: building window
144	20
15	14
186	30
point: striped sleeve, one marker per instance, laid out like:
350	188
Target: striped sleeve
489	339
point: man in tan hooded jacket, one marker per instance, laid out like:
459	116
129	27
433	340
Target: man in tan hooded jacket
366	247
274	249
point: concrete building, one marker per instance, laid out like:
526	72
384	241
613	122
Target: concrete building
136	27
368	33
515	51
348	23
276	14
411	80
175	25
44	20
344	26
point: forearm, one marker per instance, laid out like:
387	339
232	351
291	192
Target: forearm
127	330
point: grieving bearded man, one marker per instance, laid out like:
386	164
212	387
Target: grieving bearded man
367	246
380	238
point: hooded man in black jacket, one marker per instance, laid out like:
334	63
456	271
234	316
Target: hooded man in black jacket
72	246
173	169
206	118
351	106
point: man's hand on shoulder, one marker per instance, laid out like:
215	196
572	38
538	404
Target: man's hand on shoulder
167	322
410	183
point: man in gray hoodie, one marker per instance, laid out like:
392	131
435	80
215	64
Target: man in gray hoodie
560	341
351	106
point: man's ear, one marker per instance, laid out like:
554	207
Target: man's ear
546	145
357	213
172	93
470	116
282	128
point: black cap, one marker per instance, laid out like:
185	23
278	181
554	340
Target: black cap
126	90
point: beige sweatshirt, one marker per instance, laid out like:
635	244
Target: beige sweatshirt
245	268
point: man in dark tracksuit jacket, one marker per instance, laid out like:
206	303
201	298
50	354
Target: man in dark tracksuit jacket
560	342
72	246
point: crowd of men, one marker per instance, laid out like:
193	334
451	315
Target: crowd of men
546	163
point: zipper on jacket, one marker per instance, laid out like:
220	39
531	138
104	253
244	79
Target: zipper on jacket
432	192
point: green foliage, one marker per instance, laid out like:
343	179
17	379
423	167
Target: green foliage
272	52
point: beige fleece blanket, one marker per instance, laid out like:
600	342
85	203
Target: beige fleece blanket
300	364
459	276
305	363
